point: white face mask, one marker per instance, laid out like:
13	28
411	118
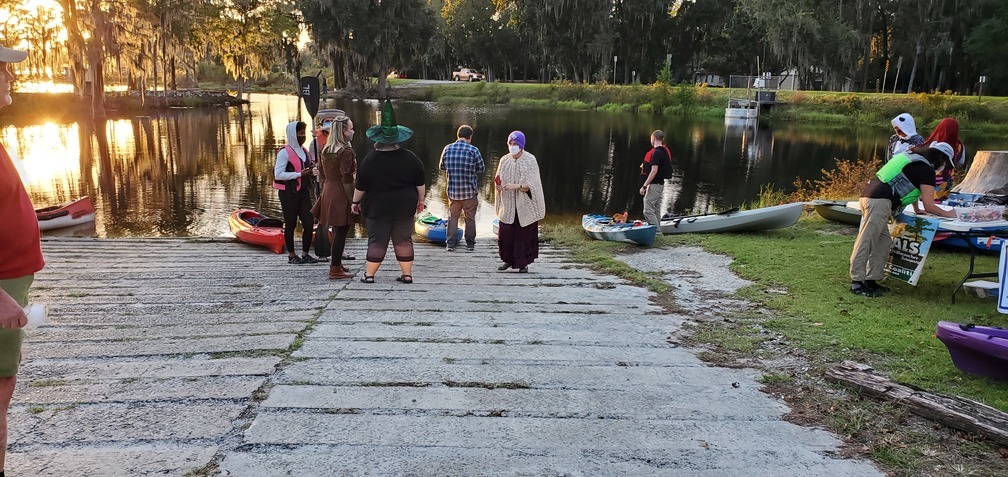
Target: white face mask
349	136
514	149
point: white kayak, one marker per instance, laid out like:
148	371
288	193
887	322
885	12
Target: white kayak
766	218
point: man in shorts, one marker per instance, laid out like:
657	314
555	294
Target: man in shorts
20	258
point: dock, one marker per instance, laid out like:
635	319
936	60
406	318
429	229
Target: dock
198	357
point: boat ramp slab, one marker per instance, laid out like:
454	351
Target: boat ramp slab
208	357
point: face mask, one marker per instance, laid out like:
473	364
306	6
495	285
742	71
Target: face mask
349	136
301	138
514	149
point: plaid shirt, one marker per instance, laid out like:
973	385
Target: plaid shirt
462	161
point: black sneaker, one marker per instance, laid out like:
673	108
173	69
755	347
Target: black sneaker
450	248
309	259
876	286
860	288
296	260
504	267
470	248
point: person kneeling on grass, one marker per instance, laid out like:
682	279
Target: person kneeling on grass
907	178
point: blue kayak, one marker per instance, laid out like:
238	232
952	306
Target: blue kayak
434	229
601	227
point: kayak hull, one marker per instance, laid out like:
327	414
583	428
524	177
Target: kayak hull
755	220
245	224
600	227
436	232
67	214
837	211
979	350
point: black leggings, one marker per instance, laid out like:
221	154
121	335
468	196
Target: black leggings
297	205
399	230
339	243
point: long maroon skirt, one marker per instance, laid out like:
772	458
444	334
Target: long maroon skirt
517	245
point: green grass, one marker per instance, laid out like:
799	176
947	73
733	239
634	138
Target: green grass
895	333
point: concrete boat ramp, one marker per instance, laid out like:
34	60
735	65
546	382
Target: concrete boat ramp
207	357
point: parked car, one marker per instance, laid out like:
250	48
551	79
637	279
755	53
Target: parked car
467	74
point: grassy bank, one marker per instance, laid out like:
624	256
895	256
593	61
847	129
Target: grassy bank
987	115
804	311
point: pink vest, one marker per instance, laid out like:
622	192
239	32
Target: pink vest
291	155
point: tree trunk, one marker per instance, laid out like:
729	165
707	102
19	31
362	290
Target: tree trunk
952	411
913	71
867	48
988	173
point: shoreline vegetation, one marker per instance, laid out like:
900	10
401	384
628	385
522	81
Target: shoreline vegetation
979	115
987	115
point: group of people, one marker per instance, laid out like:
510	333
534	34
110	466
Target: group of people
917	171
386	191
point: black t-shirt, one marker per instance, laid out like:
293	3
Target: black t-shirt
658	156
918	173
389	180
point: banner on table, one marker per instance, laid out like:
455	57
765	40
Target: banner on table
911	244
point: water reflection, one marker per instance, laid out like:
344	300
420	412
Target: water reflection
180	173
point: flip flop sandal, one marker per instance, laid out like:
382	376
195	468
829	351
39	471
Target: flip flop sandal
347	256
367	278
405	278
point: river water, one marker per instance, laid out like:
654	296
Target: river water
182	172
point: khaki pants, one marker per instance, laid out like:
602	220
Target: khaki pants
652	203
871	249
455	210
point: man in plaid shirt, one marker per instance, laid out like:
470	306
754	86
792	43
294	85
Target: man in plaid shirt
462	161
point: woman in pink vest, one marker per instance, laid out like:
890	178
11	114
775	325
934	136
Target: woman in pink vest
289	178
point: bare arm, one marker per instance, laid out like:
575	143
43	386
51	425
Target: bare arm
421	190
927	197
650	177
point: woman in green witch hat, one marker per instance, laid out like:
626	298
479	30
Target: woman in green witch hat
388	193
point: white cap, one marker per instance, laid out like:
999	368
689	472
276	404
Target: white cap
10	55
944	148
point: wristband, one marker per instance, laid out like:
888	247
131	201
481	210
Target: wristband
356	203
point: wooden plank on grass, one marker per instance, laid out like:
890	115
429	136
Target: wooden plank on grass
953	411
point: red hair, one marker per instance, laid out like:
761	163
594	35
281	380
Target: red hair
947	132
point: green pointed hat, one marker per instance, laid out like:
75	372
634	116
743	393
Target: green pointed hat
389	132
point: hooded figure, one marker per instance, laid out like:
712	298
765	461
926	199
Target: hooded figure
904	137
290	179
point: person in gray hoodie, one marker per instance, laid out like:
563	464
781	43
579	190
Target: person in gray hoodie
290	178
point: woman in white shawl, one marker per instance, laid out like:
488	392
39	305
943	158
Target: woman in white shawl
519	204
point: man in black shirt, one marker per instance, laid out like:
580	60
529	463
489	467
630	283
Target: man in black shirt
657	167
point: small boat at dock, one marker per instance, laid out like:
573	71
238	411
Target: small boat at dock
754	220
254	228
70	213
602	227
434	229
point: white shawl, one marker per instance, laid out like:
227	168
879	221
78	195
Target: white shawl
530	206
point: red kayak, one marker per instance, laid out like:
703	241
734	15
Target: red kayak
254	228
74	212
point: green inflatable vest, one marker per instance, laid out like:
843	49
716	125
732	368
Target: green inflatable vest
892	174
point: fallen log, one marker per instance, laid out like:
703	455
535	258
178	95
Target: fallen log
953	411
988	173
